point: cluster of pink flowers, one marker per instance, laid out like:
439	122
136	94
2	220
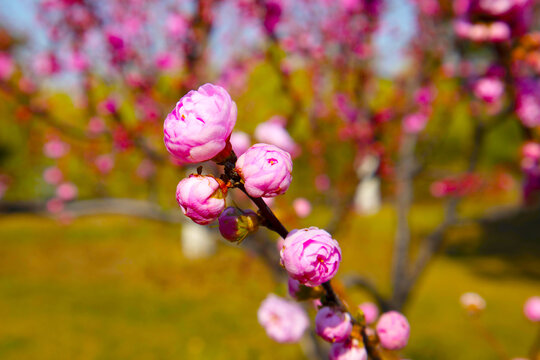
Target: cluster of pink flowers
501	20
530	165
489	89
200	129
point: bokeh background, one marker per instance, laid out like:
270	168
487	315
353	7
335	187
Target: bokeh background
414	128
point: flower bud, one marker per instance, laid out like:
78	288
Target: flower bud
199	126
265	169
201	198
348	350
235	224
332	324
393	330
310	256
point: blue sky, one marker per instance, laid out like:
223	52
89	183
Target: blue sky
390	43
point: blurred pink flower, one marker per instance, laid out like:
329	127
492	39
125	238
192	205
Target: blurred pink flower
167	61
414	123
176	25
370	310
6	66
55	149
273	132
302	207
53	175
393	330
55	205
528	109
240	142
532	309
78	61
66	191
46	64
104	163
96	126
284	321
489	89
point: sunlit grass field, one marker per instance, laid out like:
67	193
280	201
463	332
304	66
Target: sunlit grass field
120	288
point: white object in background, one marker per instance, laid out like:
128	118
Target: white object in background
197	241
367	199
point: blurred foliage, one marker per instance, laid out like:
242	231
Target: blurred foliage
110	288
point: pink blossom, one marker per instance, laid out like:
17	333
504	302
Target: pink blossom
66	191
176	25
55	205
284	321
423	96
414	123
531	150
528	109
53	175
240	142
496	7
96	126
265	170
499	31
310	256
46	64
302	207
462	28
393	330
348	350
199	126
6	66
201	198
104	163
333	325
167	61
489	89
370	310
55	149
532	308
478	32
108	106
272	15
78	62
273	132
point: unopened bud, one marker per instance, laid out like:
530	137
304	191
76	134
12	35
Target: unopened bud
235	224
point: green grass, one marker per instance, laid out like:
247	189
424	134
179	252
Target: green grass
118	288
